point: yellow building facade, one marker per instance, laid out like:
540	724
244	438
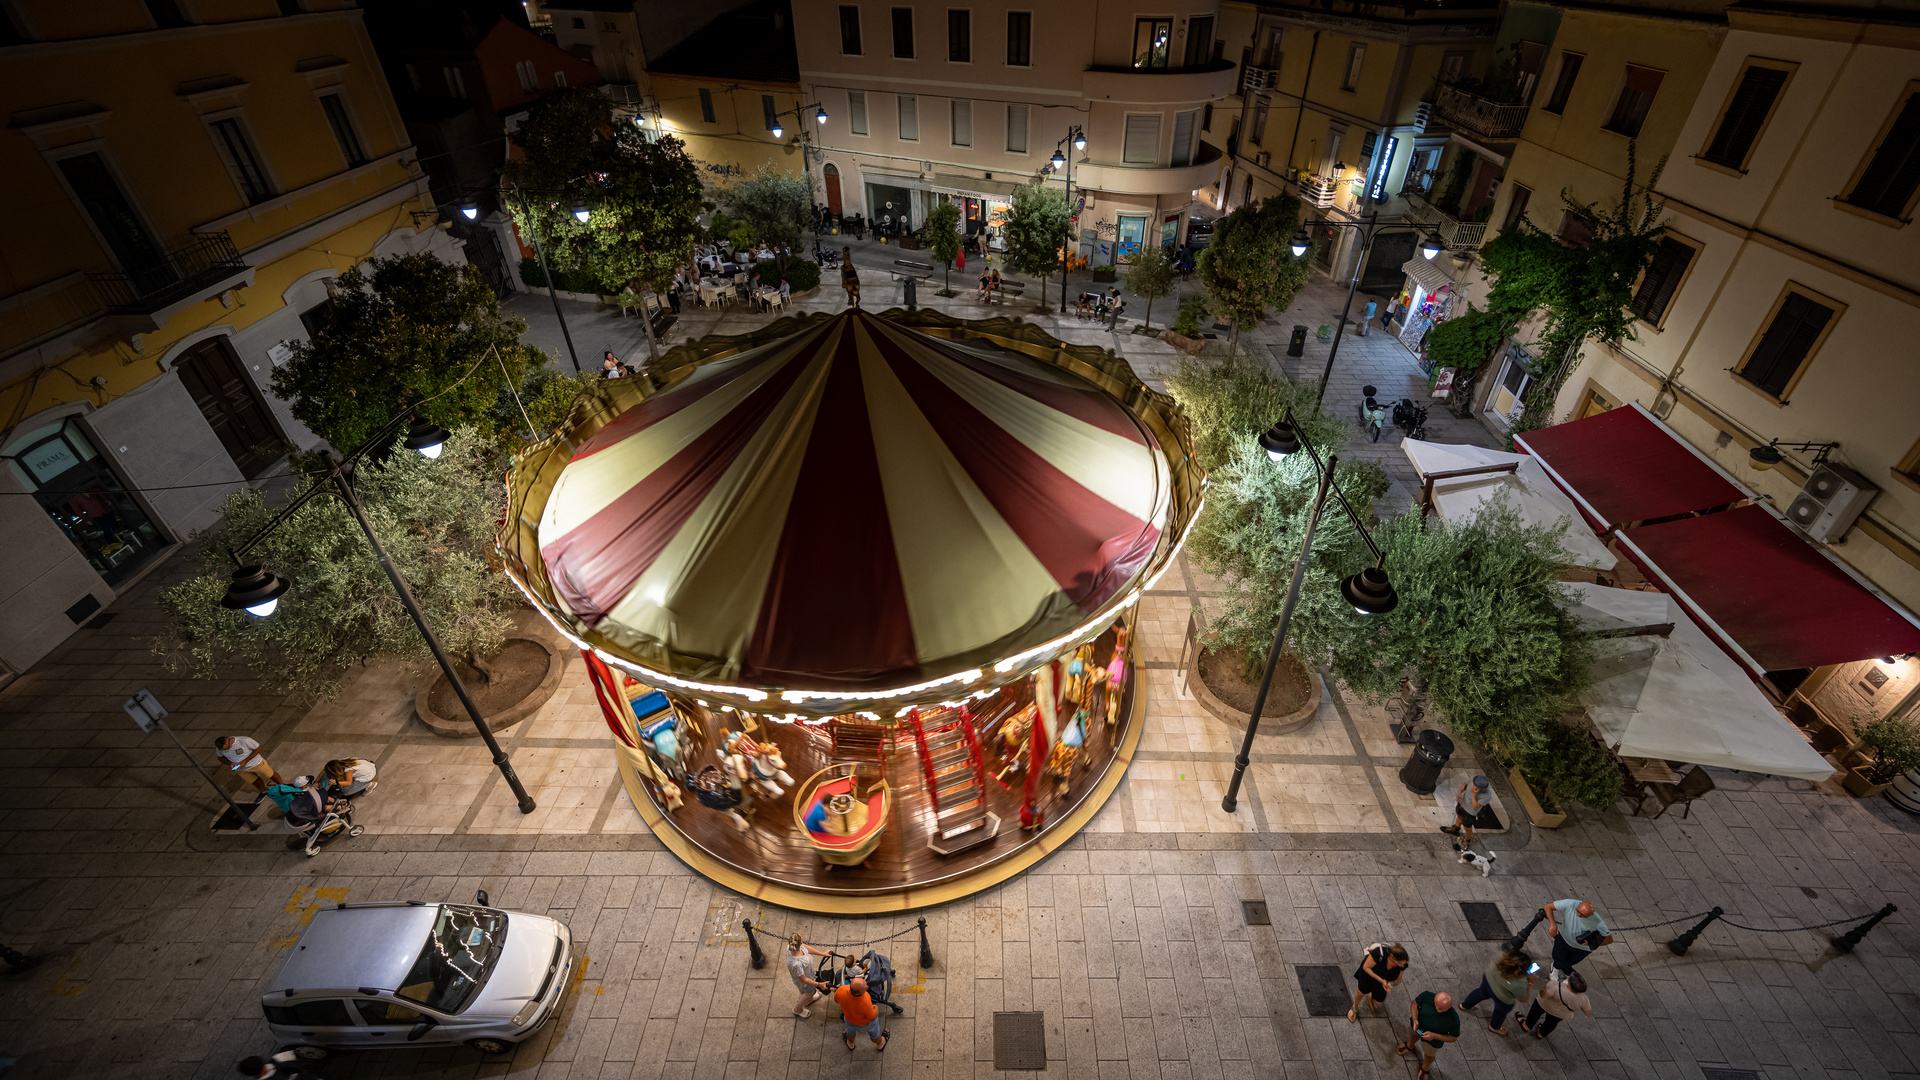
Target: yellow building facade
724	123
185	176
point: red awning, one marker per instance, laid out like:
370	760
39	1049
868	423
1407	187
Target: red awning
1624	465
1759	587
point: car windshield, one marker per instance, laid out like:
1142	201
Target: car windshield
459	955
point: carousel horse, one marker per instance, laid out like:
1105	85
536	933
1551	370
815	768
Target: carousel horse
715	790
849	277
1066	752
758	763
1013	742
1117	674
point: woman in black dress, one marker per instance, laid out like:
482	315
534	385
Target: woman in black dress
1379	971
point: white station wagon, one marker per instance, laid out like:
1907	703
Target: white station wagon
387	974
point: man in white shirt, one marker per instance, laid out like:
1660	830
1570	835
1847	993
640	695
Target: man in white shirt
242	755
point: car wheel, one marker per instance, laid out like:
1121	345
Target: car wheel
311	1053
491	1046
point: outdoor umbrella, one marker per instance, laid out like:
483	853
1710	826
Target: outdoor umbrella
1528	489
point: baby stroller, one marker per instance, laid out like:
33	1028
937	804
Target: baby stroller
873	967
318	817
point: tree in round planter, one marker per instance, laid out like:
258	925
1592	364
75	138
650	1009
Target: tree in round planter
1250	267
943	240
1037	231
1887	747
1150	277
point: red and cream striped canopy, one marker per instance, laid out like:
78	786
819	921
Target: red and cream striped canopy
854	508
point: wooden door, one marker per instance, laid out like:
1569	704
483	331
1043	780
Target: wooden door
1595	403
232	406
833	189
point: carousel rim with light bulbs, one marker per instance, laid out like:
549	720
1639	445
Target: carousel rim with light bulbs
1009	495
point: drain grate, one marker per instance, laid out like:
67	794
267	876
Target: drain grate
1019	1040
1325	988
1485	919
1728	1074
1256	912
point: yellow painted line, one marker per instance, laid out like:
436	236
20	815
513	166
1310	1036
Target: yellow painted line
305	902
65	987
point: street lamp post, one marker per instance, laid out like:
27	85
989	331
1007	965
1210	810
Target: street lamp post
1077	135
806	158
533	234
1368	230
1368	591
257	590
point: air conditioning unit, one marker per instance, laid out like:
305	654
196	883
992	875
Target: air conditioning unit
1256	79
1829	503
1262	158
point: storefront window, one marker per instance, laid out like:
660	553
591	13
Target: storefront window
72	483
1133	231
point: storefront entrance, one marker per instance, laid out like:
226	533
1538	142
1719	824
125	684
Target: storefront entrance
832	174
59	465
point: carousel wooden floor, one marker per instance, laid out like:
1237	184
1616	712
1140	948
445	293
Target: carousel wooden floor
777	850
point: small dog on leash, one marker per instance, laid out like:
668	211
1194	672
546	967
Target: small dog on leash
1474	858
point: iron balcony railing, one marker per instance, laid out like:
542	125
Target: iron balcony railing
173	277
1458	235
1483	116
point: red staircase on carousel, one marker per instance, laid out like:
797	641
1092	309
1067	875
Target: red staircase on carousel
956	775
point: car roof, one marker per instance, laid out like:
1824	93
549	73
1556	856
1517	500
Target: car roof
373	946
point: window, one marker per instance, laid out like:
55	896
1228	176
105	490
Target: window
1636	97
1516	207
64	472
909	118
1016	129
1574	231
10	32
961	115
559	79
1206	117
903	33
316	318
1663	277
1183	138
706	105
766	111
1200	41
1453	66
1563	83
379	1013
343	130
329	1013
1799	322
1528	58
166	14
1356	59
241	162
1143	139
1270	56
1152	42
1257	131
290	7
1368	144
857	112
1745	116
456	83
850	29
960	36
460	953
529	78
1019	38
1887	181
579	24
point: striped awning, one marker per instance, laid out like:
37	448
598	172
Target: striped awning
855	507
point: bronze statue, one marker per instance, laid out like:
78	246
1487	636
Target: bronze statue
849	277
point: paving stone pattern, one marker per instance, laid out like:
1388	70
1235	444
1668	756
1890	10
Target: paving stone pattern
155	937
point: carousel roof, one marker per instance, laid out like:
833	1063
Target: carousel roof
855	506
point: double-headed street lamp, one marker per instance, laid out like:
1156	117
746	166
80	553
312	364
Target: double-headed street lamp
1429	247
1368	591
257	590
806	157
1076	135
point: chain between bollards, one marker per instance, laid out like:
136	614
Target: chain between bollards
1519	941
1846	942
753	943
1679	946
926	950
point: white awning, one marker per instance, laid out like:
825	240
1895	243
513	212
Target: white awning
1426	273
1527	488
998	190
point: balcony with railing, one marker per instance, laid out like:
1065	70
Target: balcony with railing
1471	109
1210	81
208	265
1458	235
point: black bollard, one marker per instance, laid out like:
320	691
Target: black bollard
926	950
753	944
1679	946
1852	937
1519	941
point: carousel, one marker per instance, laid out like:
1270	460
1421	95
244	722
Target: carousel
856	594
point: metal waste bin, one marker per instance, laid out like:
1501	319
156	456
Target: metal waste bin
1421	773
913	292
1298	346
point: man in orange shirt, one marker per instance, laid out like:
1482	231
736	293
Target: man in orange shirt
861	1014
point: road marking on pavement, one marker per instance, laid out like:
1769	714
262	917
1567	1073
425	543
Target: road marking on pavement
724	915
307	900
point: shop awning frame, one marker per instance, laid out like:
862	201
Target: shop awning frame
1613	510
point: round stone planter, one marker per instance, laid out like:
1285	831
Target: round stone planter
1269	725
455	724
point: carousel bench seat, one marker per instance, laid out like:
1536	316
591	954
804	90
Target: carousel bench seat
876	816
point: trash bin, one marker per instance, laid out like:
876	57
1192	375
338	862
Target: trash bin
1421	773
1298	346
913	294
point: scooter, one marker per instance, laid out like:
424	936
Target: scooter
1373	415
1410	418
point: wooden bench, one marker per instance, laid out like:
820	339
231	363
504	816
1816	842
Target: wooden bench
909	268
1006	290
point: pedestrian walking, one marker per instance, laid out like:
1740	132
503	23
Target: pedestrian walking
860	1014
1379	971
1113	313
284	1065
1467	804
1557	1001
801	970
243	756
1435	1024
1508	980
1577	931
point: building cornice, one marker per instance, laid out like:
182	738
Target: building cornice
163	38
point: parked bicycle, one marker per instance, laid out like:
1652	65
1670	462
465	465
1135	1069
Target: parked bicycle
1373	415
1410	418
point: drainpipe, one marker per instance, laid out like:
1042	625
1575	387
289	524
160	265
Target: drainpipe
1300	113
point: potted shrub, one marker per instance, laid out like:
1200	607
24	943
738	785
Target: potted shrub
1539	804
1105	273
1887	748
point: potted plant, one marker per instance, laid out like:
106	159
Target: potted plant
1539	805
1105	274
1887	748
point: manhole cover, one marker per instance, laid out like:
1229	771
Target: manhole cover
1019	1040
1486	921
1256	912
1325	988
1728	1074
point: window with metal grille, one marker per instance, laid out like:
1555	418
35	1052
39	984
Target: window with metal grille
1747	112
909	118
1662	279
240	160
1257	131
850	29
1016	129
903	33
857	111
1142	145
1636	98
706	105
343	129
960	36
1563	83
961	115
1183	138
1783	349
1019	38
1892	173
